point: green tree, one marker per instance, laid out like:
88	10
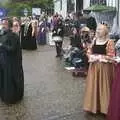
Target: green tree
16	8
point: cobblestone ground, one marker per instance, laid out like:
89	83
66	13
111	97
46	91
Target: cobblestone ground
51	93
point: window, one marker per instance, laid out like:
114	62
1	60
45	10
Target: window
70	5
92	2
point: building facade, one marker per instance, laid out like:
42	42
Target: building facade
66	6
115	3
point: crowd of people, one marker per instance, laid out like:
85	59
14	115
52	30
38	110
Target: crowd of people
91	52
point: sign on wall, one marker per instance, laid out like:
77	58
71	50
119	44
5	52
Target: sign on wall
36	11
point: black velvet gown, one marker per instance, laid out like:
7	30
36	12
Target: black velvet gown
11	70
29	40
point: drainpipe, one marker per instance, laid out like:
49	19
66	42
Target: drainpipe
75	6
118	12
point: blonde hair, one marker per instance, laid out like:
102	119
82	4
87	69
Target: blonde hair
85	29
105	28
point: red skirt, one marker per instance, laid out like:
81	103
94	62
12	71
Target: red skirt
114	106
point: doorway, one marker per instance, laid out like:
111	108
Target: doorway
79	5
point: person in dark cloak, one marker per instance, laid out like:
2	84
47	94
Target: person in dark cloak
75	39
30	36
11	70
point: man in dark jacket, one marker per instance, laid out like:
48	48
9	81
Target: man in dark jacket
91	23
11	71
58	33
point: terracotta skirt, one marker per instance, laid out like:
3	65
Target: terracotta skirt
98	84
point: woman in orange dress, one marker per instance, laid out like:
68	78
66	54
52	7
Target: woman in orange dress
100	73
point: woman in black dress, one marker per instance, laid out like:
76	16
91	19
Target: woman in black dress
30	36
11	71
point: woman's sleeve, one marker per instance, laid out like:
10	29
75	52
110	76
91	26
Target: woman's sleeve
111	48
89	51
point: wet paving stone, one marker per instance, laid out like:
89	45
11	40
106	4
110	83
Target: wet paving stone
51	92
